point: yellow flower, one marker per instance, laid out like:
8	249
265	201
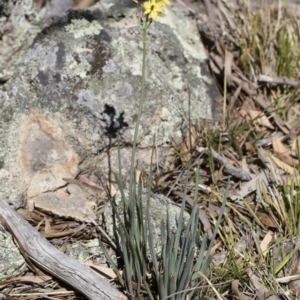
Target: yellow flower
154	8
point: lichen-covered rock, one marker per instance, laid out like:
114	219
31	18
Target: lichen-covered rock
20	23
18	28
80	83
87	252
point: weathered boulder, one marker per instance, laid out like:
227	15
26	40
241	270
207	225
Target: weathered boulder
80	83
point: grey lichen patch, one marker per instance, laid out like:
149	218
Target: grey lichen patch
162	127
81	27
116	9
9	139
87	252
121	90
80	69
12	262
168	130
109	67
42	54
185	32
7	191
86	99
4	96
133	59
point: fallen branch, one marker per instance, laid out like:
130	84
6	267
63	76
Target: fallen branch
41	253
228	167
278	80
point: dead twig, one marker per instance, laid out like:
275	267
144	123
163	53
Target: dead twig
228	167
278	80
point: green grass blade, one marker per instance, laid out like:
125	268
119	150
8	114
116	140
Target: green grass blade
127	261
185	278
200	258
112	264
149	293
180	219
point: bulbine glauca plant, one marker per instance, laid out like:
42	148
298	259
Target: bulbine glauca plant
183	261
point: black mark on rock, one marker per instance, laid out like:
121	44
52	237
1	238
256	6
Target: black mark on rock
60	55
43	78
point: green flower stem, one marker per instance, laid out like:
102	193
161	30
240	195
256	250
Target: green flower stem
141	104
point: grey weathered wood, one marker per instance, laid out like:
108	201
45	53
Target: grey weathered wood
51	260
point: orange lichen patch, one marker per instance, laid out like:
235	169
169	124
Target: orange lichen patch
44	156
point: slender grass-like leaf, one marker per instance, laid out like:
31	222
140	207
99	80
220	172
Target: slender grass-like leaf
180	224
149	233
124	201
181	261
142	235
172	267
200	258
136	269
149	293
123	235
127	261
116	214
186	276
165	258
151	241
239	214
206	263
253	214
171	263
185	244
169	232
169	251
132	205
120	177
172	286
287	258
162	290
191	240
112	263
195	206
180	219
